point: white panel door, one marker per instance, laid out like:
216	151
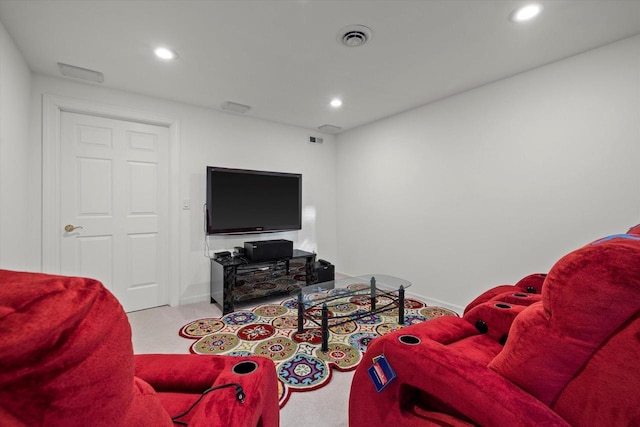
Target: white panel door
114	190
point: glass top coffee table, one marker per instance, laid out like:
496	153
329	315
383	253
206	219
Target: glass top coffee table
375	293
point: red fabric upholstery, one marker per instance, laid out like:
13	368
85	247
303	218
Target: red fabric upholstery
66	359
522	293
569	358
635	230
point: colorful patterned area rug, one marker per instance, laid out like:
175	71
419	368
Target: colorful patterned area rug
270	330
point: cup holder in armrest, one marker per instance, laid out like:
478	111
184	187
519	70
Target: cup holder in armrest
482	326
409	340
502	305
245	367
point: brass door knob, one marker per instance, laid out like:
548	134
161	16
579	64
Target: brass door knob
69	228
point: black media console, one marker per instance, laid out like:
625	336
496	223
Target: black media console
227	272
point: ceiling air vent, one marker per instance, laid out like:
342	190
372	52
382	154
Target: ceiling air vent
329	129
80	73
235	107
354	35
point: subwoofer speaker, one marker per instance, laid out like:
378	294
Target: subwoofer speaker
268	250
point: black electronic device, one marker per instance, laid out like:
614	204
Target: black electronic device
252	201
238	251
325	271
222	255
267	250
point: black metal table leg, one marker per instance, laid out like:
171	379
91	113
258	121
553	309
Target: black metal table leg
325	328
401	306
373	293
300	312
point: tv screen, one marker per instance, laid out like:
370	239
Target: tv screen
250	201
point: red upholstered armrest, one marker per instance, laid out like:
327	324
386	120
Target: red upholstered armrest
529	284
433	377
174	374
185	373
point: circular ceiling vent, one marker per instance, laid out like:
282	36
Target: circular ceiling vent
354	35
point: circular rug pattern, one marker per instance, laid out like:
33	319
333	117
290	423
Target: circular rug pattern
311	336
215	343
313	297
371	319
291	304
359	286
316	313
344	356
361	300
271	330
277	348
239	318
345	307
413	304
303	371
385	328
412	319
343	329
361	340
201	327
286	322
432	312
270	310
256	332
409	304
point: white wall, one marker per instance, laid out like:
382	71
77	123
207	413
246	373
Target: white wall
15	218
456	196
495	183
209	137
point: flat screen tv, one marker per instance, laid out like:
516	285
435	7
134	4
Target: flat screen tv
252	201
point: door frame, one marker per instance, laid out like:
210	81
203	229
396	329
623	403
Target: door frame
52	108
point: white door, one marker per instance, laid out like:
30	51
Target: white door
114	184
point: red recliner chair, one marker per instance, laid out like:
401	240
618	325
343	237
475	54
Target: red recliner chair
66	359
525	292
569	359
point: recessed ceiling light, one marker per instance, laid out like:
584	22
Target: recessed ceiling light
164	53
336	102
526	13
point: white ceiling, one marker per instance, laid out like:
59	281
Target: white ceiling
282	57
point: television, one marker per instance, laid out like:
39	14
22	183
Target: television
251	201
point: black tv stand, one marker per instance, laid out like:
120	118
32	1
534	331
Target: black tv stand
225	272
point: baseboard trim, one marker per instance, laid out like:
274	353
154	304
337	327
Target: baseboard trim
435	302
194	299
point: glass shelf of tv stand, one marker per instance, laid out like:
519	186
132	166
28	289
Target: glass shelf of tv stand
375	293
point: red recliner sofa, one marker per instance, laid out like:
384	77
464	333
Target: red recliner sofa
569	359
66	359
525	292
